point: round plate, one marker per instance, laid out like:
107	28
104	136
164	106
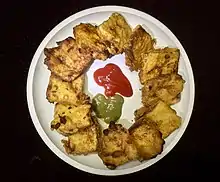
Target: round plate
42	111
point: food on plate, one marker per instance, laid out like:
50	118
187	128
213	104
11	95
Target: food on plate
67	61
140	43
87	38
109	109
63	92
69	119
85	141
116	147
115	33
166	88
113	80
73	114
163	115
147	139
159	62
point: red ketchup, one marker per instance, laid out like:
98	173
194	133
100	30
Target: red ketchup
113	80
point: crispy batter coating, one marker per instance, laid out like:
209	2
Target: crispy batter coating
87	38
67	61
166	88
162	115
159	62
140	43
116	147
147	139
115	32
63	92
165	117
69	119
84	141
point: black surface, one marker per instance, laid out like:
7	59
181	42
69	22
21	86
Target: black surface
25	24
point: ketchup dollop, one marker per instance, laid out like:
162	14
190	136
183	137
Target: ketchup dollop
113	80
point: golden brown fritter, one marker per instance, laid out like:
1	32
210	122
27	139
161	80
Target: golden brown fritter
69	119
67	61
166	88
139	44
165	117
60	69
147	139
84	141
115	32
87	38
63	92
159	62
116	147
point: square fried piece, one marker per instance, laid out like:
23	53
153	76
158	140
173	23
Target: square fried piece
67	61
115	32
64	92
166	88
116	147
165	117
84	141
147	139
69	119
139	44
87	38
159	62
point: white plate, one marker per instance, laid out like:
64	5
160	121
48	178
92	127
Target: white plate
42	111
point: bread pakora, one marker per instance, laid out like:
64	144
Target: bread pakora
115	33
140	43
84	141
63	92
147	139
68	119
87	38
159	62
67	61
166	88
163	115
116	147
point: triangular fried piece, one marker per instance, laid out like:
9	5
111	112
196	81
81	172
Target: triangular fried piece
139	44
116	147
147	139
115	32
69	119
159	62
87	38
163	116
166	88
63	92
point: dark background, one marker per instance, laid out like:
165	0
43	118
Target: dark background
23	27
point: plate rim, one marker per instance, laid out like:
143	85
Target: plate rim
30	101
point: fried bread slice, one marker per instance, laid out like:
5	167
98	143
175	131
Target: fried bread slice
84	141
115	33
67	61
69	119
166	88
116	147
164	116
87	38
140	43
159	62
147	139
63	92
